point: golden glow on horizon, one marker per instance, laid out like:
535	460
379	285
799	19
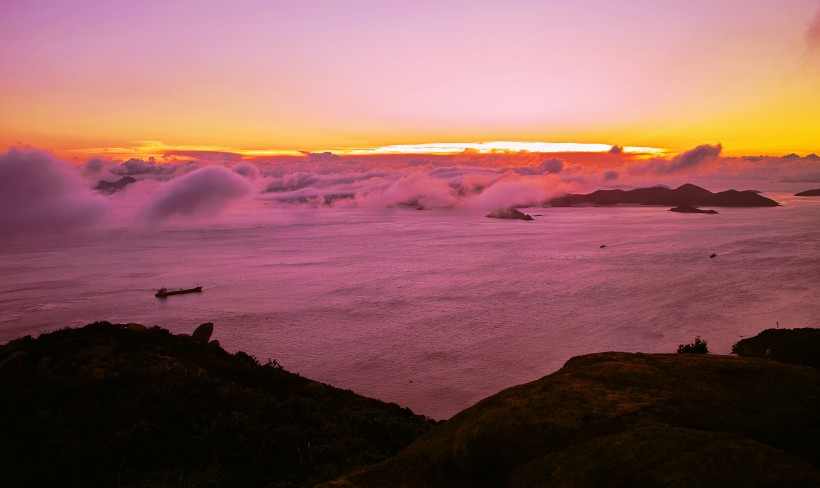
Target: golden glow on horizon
159	150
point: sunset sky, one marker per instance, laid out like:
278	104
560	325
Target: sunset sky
87	77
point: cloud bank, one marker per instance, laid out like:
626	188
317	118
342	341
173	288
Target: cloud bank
685	162
40	194
199	194
248	170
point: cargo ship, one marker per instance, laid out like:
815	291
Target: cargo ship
164	292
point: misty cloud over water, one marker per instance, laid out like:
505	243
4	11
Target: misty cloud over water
42	194
39	194
687	161
201	193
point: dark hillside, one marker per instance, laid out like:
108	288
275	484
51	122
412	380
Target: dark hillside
117	405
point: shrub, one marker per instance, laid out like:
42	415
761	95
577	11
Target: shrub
697	347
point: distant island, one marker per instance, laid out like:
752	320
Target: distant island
691	209
809	193
110	187
509	213
685	195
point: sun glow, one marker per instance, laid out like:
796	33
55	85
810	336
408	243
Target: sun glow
499	146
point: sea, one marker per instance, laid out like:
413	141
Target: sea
432	309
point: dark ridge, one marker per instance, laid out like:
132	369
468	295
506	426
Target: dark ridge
109	187
124	405
685	195
809	193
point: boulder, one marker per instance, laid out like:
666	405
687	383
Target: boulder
202	334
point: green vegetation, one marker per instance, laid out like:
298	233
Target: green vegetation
117	405
697	347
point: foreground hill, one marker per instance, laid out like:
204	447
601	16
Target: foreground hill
619	419
688	194
117	405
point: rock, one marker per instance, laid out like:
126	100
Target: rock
691	209
620	419
808	193
135	327
202	334
687	194
509	213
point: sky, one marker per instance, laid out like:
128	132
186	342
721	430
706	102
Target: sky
122	78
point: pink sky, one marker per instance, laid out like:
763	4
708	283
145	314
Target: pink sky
330	75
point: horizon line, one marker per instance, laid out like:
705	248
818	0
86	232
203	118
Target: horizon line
158	148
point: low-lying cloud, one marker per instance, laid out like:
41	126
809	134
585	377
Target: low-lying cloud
684	162
248	170
550	166
421	186
149	167
40	194
202	193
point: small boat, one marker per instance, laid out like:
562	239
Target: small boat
164	292
602	246
713	255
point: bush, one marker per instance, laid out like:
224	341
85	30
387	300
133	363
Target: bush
697	347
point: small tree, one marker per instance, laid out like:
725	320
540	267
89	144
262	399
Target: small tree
697	347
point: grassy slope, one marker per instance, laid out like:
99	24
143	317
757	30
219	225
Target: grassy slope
618	419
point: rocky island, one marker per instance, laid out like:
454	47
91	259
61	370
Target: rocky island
687	194
809	193
109	187
509	213
691	209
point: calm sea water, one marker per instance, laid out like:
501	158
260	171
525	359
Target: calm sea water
436	309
